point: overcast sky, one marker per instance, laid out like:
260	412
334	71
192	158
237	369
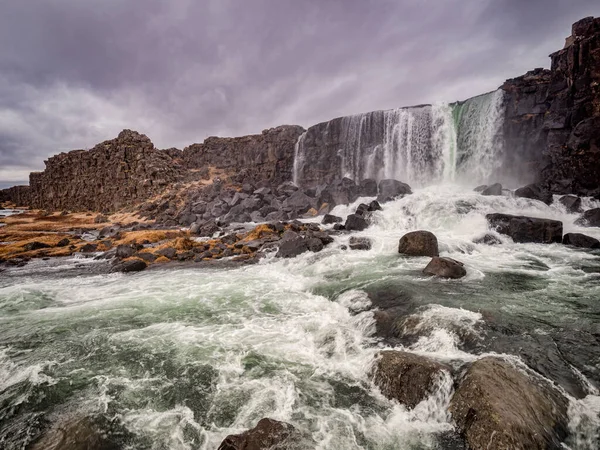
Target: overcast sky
75	72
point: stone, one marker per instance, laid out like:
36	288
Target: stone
299	202
329	219
367	188
524	229
406	377
392	189
481	188
497	406
168	252
89	248
375	206
445	268
314	244
494	189
146	256
268	434
534	192
109	232
419	243
124	251
35	245
339	192
360	243
572	203
63	242
354	222
488	239
580	240
292	247
362	210
131	265
590	218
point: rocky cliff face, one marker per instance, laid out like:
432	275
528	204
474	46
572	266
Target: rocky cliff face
19	195
114	174
553	116
267	156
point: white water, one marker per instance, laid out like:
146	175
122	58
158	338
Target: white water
184	357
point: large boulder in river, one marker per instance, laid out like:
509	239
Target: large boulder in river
535	192
339	192
445	268
268	434
526	229
494	189
419	243
580	240
130	265
355	222
590	218
499	407
572	203
367	188
406	377
392	189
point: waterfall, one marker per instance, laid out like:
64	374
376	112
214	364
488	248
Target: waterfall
419	145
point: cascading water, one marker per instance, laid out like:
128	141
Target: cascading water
419	145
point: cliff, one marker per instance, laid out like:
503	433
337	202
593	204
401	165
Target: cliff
19	195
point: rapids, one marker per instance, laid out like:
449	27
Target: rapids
179	358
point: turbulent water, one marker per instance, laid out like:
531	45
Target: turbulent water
421	145
178	359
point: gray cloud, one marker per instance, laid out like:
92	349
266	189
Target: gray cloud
75	72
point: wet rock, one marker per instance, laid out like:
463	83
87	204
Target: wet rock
590	218
360	243
496	406
487	239
339	192
268	434
63	242
494	189
406	377
329	219
392	189
168	252
131	265
299	202
481	188
445	268
354	222
292	247
146	256
535	192
580	240
89	248
338	227
109	232
314	244
35	245
375	206
362	210
572	203
125	251
526	229
419	243
367	188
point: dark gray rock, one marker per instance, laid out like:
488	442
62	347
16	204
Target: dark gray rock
494	189
362	210
481	188
535	192
292	247
146	256
419	243
63	242
35	245
360	243
299	202
109	232
132	265
168	252
375	206
268	434
354	222
590	218
572	203
391	189
125	251
339	192
445	268
367	188
580	240
314	244
526	229
488	239
329	219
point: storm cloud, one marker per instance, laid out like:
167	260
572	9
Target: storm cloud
76	72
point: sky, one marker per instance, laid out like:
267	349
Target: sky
74	73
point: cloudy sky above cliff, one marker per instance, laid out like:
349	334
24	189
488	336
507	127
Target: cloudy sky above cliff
76	72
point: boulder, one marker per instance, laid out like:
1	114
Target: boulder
168	252
124	251
360	243
109	232
488	239
329	219
526	229
445	268
497	406
268	434
89	248
35	245
419	243
494	189
131	265
146	256
355	222
367	188
580	240
406	377
590	218
63	242
339	192
299	202
314	244
375	206
535	192
392	189
481	188
572	203
291	248
362	210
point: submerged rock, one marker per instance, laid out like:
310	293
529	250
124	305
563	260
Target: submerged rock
590	218
494	189
498	407
488	239
445	268
406	377
268	434
419	243
360	243
580	240
534	192
526	229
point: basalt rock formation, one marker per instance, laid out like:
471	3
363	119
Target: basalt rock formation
19	195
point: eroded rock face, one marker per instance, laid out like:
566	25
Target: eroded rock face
268	434
419	243
497	407
524	229
406	377
445	268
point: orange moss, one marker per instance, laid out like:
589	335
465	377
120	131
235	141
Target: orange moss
259	232
152	236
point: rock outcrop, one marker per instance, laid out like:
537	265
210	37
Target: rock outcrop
419	243
19	195
497	407
445	268
527	229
